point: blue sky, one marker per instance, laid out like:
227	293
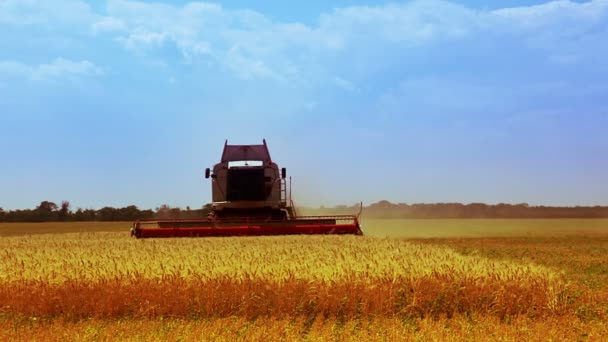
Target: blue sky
126	102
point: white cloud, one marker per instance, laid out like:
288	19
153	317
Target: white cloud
252	45
56	13
242	41
141	38
248	68
555	21
56	70
61	67
108	24
555	12
412	22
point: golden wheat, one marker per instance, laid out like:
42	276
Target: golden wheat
109	275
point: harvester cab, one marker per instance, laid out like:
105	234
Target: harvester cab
247	183
250	196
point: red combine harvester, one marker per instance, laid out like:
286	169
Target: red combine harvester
250	197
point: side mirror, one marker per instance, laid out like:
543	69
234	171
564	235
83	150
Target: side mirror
283	173
207	173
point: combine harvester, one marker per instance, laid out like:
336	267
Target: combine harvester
249	198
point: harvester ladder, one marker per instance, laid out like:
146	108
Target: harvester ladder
287	198
283	191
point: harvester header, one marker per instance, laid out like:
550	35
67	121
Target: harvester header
250	196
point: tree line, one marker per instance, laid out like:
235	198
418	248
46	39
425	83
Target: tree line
49	212
386	209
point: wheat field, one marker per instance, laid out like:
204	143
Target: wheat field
94	285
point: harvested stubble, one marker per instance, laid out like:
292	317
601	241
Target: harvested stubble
108	275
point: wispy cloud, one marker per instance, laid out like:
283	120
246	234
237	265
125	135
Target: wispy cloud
252	45
377	53
49	14
108	24
350	41
558	12
58	69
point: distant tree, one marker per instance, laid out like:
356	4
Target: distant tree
79	215
2	214
147	214
46	211
47	206
64	211
90	215
129	213
107	214
476	210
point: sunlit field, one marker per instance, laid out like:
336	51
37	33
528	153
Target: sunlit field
483	228
406	279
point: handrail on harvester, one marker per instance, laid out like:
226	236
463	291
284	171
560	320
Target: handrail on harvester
248	219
